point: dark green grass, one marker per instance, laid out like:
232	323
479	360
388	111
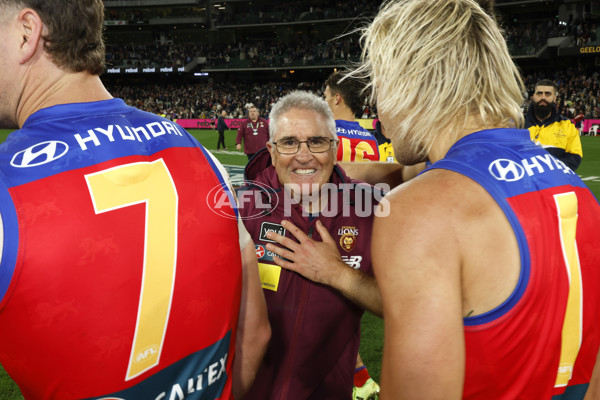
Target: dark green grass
589	169
372	327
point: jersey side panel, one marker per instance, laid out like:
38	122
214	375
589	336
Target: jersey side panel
506	346
114	249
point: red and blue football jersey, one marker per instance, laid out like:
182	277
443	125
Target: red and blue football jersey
120	275
542	342
356	143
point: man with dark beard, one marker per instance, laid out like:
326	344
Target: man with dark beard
555	133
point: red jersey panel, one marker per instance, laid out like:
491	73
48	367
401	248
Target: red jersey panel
126	282
542	342
356	143
558	281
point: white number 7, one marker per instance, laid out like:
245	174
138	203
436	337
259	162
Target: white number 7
149	183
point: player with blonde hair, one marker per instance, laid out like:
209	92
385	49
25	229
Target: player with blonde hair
489	278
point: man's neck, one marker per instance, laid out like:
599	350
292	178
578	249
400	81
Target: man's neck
344	113
62	88
444	141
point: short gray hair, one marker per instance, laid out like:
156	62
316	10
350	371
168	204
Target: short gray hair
301	100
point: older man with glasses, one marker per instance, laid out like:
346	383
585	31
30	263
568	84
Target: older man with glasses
312	228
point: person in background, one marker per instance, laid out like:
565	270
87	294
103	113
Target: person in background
117	278
346	98
494	289
386	149
254	132
555	133
313	242
221	127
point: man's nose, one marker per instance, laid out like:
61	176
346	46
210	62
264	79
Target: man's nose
303	151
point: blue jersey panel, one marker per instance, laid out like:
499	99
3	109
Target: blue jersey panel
352	129
63	138
8	224
521	167
207	367
49	143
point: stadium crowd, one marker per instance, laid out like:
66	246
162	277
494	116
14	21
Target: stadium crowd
579	93
277	53
523	37
249	13
128	56
586	33
253	54
206	100
311	10
529	38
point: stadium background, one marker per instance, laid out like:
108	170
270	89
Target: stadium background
190	59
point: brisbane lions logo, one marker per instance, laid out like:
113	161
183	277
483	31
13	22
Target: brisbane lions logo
348	241
348	236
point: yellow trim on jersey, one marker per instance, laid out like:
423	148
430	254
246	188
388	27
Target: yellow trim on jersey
566	203
560	134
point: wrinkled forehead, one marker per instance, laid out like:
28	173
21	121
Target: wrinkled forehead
545	90
302	124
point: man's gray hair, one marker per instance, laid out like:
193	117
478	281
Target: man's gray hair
300	100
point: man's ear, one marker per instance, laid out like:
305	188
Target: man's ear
271	149
30	27
334	151
338	98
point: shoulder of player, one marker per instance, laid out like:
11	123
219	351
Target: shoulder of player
438	201
419	239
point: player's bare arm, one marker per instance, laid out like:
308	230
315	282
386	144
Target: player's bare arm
417	265
593	391
436	275
321	262
374	172
253	331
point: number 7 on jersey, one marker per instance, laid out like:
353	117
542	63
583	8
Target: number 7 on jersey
150	183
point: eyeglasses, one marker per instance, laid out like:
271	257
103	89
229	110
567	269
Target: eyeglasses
315	145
